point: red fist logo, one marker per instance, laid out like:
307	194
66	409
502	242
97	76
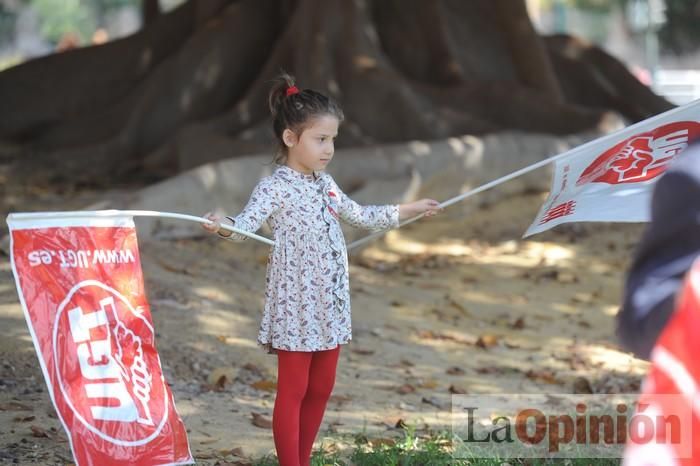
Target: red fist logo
641	157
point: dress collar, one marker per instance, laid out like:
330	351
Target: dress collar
296	175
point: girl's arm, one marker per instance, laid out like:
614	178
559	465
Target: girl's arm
368	217
379	217
264	201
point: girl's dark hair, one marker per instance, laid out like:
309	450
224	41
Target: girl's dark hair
295	111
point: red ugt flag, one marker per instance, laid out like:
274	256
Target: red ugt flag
81	287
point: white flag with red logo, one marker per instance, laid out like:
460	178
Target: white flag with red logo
611	178
81	287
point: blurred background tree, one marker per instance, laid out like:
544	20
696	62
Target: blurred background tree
681	31
181	83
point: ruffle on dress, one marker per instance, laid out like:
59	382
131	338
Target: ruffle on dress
331	217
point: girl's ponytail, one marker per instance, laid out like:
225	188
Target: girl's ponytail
279	91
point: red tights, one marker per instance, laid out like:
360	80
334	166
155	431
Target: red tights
304	384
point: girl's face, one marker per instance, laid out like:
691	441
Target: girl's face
313	150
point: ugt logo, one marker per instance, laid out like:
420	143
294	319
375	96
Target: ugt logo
642	157
107	369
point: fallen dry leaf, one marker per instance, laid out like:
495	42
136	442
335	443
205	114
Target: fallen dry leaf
430	286
582	386
429	384
566	277
254	369
497	370
208	441
340	399
432	401
400	424
487	341
457	390
220	376
221	382
184	270
542	376
405	389
261	421
265	385
23	418
463	310
395	423
382	441
519	324
431	335
582	298
443	316
238	451
14	406
469	279
39	432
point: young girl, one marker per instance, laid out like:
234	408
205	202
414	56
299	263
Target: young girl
307	297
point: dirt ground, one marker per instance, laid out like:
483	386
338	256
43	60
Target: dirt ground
457	303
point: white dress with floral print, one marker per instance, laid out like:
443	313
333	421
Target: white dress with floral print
307	292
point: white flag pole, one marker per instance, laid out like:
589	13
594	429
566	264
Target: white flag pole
463	196
132	213
612	137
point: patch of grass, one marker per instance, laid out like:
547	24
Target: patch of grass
434	449
319	457
412	450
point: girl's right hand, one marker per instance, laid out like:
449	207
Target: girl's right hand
212	227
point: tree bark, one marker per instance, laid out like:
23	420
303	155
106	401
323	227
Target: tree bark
192	86
45	91
150	11
529	55
595	79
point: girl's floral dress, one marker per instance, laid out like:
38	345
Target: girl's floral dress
307	292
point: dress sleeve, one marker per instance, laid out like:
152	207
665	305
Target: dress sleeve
264	201
368	217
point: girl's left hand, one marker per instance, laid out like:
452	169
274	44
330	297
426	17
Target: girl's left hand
428	206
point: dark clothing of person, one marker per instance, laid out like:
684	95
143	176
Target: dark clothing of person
666	252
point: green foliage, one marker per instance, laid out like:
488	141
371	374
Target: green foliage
409	451
81	17
598	6
595	6
59	17
7	23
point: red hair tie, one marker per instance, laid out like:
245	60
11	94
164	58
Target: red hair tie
291	90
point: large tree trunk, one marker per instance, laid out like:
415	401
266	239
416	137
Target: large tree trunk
191	87
526	49
150	11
